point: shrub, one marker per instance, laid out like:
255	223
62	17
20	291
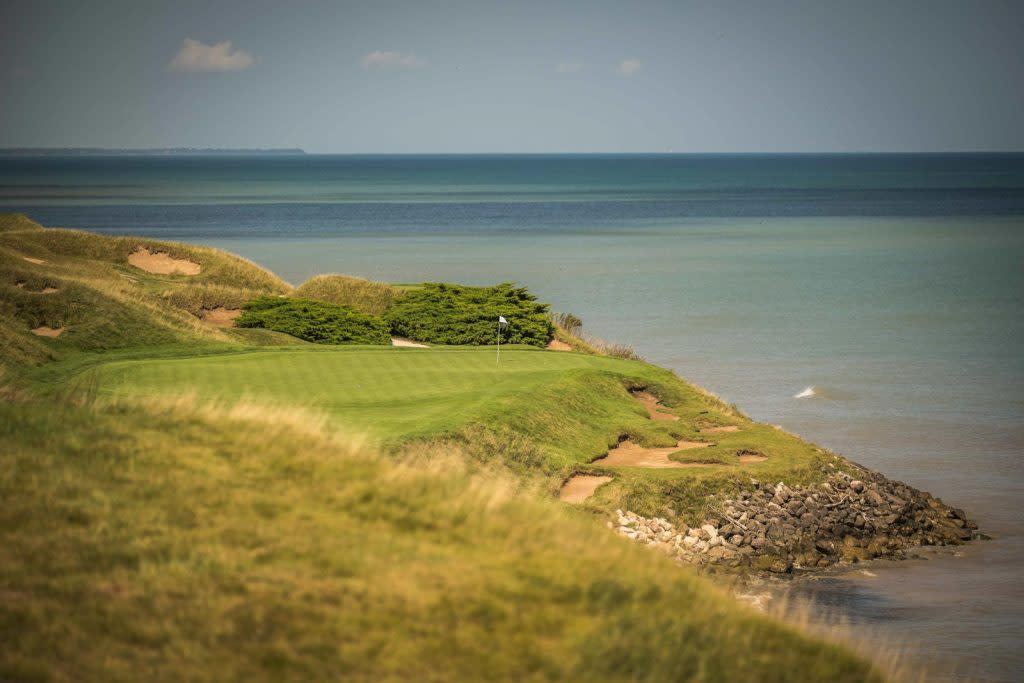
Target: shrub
366	296
456	314
315	321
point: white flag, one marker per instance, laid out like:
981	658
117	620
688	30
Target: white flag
502	321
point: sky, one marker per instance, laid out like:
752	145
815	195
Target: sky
476	77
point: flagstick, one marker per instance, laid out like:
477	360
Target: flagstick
498	359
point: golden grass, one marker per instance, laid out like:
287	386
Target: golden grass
366	296
171	541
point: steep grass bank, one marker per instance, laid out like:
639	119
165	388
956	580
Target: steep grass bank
168	543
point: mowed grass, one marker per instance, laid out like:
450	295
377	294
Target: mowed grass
176	542
389	393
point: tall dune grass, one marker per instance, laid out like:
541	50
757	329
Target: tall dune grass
366	296
169	541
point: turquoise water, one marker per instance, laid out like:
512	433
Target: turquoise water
891	285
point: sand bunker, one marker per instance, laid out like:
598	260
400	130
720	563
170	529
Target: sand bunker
407	343
555	345
720	430
750	457
45	331
220	316
581	487
33	260
654	407
161	263
629	454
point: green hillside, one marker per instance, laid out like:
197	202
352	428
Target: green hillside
563	409
173	512
169	543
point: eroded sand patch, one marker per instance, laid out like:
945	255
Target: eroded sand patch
581	487
555	345
629	454
37	261
45	331
407	343
220	316
720	430
161	263
653	406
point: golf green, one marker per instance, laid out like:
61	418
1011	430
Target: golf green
386	392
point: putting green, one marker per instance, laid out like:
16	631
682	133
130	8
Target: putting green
387	392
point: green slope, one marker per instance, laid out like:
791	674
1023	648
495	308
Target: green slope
141	539
543	412
166	543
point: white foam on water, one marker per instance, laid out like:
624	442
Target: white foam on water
806	393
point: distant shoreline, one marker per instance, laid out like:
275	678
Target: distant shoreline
153	151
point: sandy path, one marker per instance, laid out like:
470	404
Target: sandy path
161	263
651	402
220	316
407	343
629	454
555	345
581	487
45	331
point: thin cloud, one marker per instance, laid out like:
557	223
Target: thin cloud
384	59
628	67
568	68
197	56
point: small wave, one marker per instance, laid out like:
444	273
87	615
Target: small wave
806	393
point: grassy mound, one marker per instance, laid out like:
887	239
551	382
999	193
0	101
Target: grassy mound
105	303
166	543
442	313
314	321
365	296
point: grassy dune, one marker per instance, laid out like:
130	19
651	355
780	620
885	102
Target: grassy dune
363	295
161	542
103	302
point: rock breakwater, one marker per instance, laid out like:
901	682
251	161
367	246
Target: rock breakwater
779	528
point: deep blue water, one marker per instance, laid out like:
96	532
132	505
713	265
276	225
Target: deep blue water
894	285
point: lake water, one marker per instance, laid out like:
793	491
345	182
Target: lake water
892	285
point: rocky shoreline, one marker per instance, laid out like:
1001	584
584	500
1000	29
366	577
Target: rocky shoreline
779	529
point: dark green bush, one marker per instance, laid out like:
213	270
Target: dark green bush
315	321
441	313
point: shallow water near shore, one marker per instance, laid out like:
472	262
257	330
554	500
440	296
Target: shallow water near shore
893	289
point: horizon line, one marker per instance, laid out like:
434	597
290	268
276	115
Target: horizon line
298	151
